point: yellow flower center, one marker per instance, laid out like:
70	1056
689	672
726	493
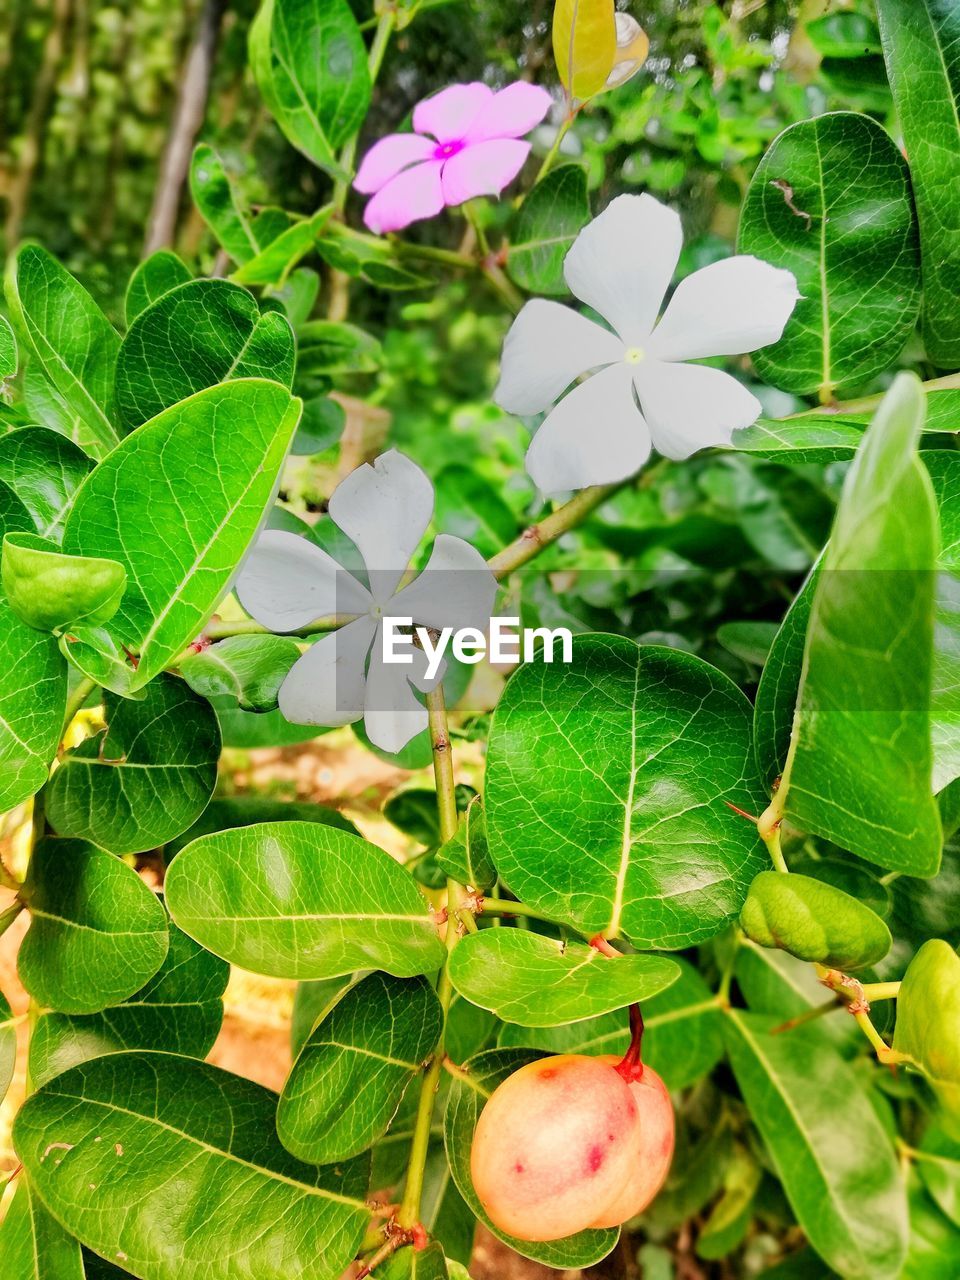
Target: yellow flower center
634	355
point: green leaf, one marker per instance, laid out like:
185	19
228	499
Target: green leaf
328	348
33	688
320	427
103	659
920	48
311	1000
540	982
830	201
350	1076
71	340
749	641
545	228
682	1037
844	35
367	258
779	984
938	1167
413	810
49	590
860	767
584	45
835	1161
248	669
302	900
220	207
144	780
45	470
131	509
179	1010
197	335
799	441
469	507
945	695
154	277
934	1241
214	1187
8	351
33	1244
310	64
273	264
465	1102
467	856
777	692
414	1264
814	921
8	1045
653	742
97	932
230	812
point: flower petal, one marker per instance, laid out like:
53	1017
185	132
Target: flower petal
547	348
595	435
691	406
413	194
511	113
388	157
483	169
450	113
622	262
455	589
392	712
732	306
287	582
326	685
385	509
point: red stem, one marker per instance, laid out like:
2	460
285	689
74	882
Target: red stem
631	1065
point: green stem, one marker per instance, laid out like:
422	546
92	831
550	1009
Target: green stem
408	1214
378	47
76	700
533	540
949	382
246	627
431	253
881	990
554	151
501	907
509	295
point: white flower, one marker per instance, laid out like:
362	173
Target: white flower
288	581
621	264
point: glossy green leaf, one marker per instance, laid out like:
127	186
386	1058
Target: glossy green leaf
653	743
800	440
49	590
147	778
154	277
45	470
248	669
329	348
311	1000
33	688
928	1019
545	228
413	810
540	982
70	338
836	1163
133	505
469	507
229	812
33	1245
414	1264
197	335
920	48
860	772
776	698
8	351
216	1194
814	921
934	1241
367	258
310	65
353	1070
682	1037
302	900
945	695
852	877
179	1010
777	983
467	856
103	659
465	1102
830	201
320	427
584	45
219	205
8	1045
279	255
97	932
749	641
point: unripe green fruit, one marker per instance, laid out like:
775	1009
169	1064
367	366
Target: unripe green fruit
814	921
928	1019
566	1143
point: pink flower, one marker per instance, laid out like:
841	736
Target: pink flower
473	149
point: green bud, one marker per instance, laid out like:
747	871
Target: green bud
50	590
813	921
928	1019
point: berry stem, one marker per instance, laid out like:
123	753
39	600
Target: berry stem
631	1065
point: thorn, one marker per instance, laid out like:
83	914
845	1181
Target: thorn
742	812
